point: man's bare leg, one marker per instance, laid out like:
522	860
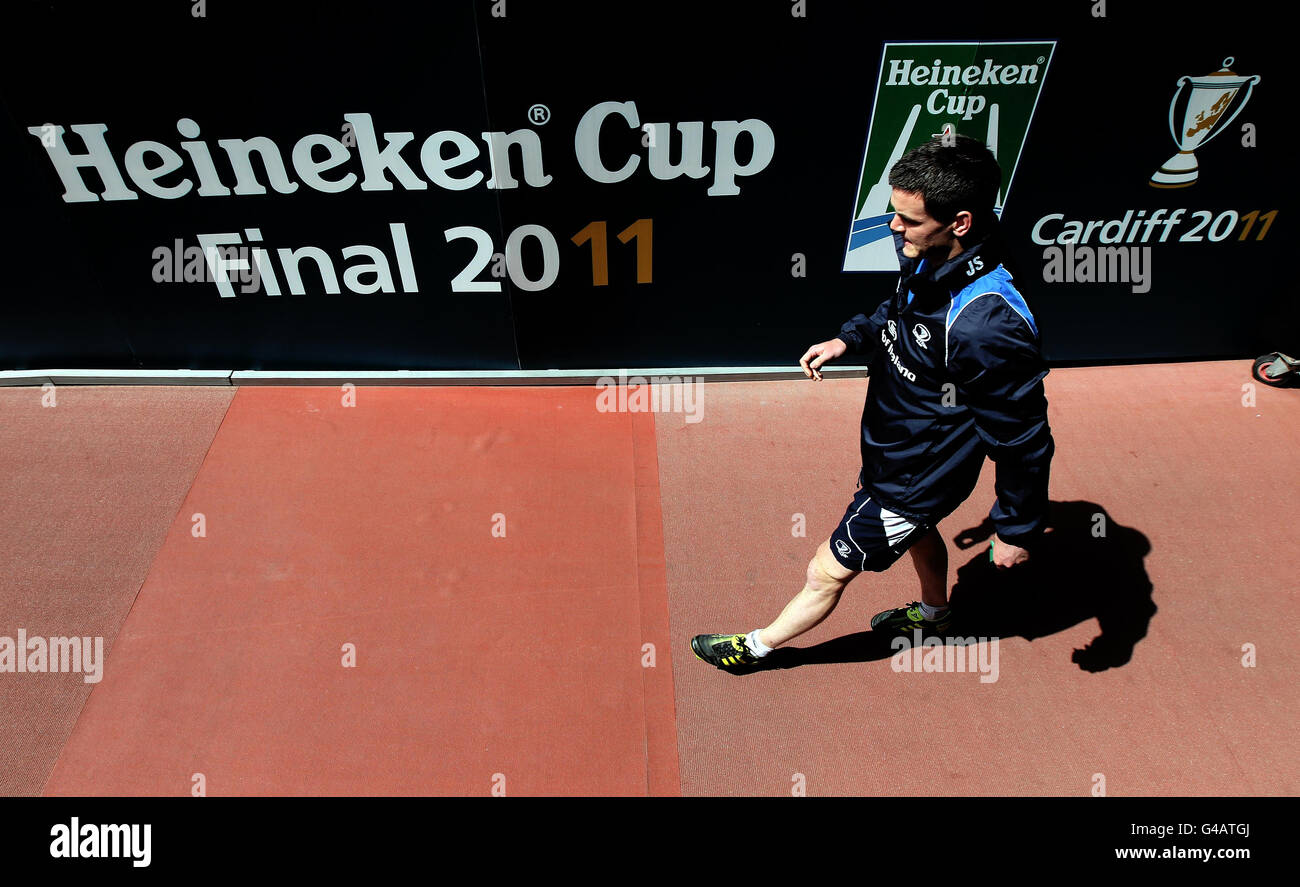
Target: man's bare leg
930	557
826	578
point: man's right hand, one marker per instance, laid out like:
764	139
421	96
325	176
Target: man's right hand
819	354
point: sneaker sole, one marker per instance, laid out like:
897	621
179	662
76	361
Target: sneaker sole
941	628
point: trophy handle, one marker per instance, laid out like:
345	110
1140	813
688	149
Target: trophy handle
1249	84
1173	127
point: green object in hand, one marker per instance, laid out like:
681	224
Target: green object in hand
990	551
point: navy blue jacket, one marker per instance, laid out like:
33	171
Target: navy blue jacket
956	374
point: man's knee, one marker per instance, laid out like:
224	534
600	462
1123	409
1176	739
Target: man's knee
825	573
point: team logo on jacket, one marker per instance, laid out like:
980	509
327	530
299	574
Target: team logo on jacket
893	330
922	335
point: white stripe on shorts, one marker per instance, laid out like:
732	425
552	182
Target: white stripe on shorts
896	526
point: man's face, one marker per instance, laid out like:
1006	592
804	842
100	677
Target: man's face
921	234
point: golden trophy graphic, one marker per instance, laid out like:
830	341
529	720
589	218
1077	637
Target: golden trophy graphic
1204	112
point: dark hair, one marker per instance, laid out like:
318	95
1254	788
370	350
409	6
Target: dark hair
950	178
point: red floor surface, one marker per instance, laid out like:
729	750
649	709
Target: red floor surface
1174	462
482	662
522	662
90	480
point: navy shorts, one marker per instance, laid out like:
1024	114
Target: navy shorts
870	537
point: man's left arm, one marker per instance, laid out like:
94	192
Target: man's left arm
1000	371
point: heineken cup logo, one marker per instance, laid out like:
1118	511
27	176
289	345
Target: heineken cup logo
925	91
1202	108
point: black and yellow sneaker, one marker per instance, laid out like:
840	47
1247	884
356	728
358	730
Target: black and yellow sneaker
908	619
723	650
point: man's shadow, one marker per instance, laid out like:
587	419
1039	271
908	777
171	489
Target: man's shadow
1085	567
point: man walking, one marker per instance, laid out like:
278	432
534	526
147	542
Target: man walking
956	374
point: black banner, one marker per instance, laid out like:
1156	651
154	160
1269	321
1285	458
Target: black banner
533	185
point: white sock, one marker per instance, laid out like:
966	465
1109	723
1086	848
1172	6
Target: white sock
932	613
760	649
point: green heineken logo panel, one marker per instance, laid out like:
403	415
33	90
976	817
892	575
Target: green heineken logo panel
984	90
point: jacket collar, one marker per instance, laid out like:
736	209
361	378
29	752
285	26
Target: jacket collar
934	284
